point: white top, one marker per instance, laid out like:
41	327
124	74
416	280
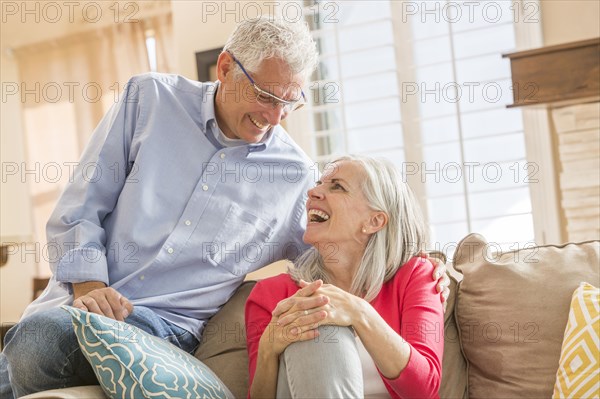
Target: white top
373	384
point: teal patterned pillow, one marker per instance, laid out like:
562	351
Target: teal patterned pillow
131	363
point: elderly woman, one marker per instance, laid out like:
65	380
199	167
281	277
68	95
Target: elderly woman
370	323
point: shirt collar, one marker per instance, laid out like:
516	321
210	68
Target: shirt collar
208	106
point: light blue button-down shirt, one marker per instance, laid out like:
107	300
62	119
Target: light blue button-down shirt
164	212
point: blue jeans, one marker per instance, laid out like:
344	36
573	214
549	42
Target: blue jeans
41	352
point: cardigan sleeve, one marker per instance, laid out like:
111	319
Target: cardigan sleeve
422	326
261	302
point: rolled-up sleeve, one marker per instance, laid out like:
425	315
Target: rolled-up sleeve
76	237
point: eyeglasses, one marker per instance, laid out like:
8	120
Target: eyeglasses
267	99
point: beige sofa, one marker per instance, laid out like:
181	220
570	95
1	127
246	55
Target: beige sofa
503	327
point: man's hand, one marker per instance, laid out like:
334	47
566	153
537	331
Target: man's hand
439	275
95	297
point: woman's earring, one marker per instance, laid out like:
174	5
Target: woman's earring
364	230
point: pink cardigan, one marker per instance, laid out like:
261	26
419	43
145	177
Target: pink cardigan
408	302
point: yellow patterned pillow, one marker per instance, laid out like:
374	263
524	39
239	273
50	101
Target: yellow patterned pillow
578	374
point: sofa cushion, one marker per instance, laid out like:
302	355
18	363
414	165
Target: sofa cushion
512	310
223	344
87	392
129	362
578	374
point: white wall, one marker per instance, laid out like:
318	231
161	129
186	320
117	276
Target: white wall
566	21
196	28
15	205
205	25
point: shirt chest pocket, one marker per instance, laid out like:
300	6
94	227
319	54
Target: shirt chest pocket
239	245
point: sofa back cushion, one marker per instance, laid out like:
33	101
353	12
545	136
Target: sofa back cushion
511	311
223	345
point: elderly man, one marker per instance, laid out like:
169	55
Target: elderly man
196	185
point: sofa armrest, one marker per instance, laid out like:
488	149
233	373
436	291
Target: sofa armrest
88	392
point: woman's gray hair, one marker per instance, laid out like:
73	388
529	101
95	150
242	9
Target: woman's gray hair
403	237
258	39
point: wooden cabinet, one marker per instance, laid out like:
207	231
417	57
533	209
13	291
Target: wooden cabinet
566	73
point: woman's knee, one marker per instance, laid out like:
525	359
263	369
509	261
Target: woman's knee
327	366
335	347
331	341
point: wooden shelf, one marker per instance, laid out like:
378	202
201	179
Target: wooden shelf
566	74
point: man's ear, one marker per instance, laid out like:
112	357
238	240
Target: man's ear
377	222
225	65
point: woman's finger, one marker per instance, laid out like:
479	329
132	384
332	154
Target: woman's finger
303	306
285	305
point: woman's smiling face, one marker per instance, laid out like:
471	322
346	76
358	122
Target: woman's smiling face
337	207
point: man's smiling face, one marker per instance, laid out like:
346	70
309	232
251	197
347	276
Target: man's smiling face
239	114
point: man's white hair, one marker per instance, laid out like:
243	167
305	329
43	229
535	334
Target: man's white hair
258	39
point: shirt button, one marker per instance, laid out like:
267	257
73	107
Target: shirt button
142	277
205	187
222	155
187	222
170	250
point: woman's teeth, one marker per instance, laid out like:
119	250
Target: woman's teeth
257	123
316	215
